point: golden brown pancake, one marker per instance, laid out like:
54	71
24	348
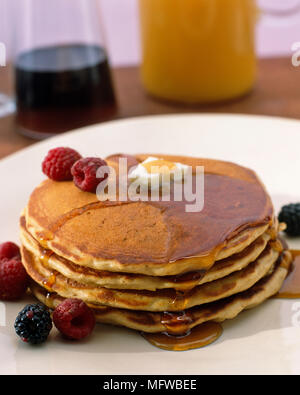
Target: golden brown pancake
115	280
134	263
152	238
161	300
219	311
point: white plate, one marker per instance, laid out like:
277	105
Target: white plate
265	340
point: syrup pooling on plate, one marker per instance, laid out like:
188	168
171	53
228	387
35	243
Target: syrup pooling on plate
199	336
178	336
291	287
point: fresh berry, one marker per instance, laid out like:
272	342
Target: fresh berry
13	279
84	173
58	162
290	215
33	324
9	250
74	319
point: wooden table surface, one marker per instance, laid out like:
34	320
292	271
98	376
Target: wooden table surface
277	93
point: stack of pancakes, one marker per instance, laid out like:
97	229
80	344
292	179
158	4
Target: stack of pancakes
152	266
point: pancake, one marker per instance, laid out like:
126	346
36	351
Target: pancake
161	300
218	311
233	246
152	238
148	264
137	281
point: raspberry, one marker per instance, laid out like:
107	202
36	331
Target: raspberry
74	319
13	279
9	250
84	173
33	324
58	162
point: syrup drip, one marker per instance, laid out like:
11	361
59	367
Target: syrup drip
49	300
182	298
44	237
48	282
191	276
277	245
200	336
177	323
44	257
48	296
291	285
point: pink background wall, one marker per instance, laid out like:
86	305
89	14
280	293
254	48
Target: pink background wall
275	36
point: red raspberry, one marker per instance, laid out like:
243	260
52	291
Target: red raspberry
84	173
9	250
58	162
74	319
13	279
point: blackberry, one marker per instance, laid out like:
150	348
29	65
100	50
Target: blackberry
33	323
290	215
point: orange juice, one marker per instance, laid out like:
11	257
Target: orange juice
198	50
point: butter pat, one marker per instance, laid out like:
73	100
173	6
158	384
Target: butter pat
157	172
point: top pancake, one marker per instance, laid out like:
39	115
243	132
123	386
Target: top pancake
157	238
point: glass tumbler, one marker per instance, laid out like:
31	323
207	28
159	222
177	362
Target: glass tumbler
62	73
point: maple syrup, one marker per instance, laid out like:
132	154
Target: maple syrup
177	323
291	285
199	336
179	337
190	276
43	237
45	256
49	281
48	296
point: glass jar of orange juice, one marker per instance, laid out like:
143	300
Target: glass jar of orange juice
198	50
